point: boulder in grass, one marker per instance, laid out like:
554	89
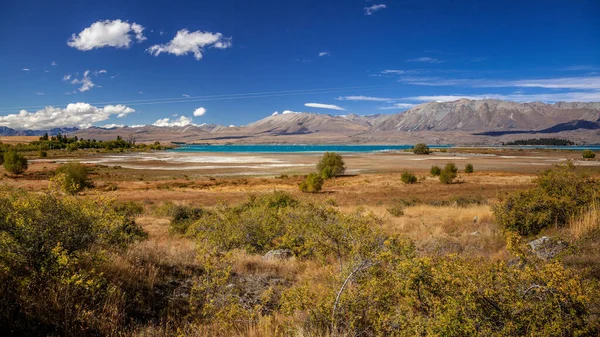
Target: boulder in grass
278	254
547	248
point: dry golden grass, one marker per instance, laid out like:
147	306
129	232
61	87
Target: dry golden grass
587	222
18	139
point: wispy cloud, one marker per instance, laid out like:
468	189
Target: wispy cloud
39	93
324	53
425	59
580	68
374	8
573	83
26	69
365	98
324	106
578	96
398	106
54	64
185	95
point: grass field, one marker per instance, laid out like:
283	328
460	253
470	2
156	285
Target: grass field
443	221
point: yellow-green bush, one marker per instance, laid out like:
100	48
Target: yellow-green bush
15	163
331	165
51	248
449	173
312	183
72	177
560	193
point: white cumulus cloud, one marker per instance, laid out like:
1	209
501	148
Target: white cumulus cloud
79	114
186	42
324	106
286	112
107	33
375	8
199	112
166	122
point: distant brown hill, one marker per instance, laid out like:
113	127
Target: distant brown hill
459	122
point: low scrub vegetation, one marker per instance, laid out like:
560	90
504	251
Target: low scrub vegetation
588	154
435	171
448	174
408	178
469	168
421	149
72	177
559	194
15	163
313	183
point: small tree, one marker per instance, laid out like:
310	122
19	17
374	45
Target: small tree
15	163
435	171
72	177
408	178
449	173
588	154
421	149
312	183
331	165
469	168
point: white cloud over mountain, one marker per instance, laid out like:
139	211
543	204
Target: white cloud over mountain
182	121
199	112
79	114
186	42
324	106
107	33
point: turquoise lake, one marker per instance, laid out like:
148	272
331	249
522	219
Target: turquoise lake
337	148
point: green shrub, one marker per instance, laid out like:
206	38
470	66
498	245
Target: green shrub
72	177
183	217
408	178
331	165
588	154
421	149
15	163
312	183
435	171
560	194
52	248
43	154
469	168
449	173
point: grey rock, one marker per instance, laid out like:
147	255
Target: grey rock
547	248
278	254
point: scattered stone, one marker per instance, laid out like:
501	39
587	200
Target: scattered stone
278	254
475	233
547	248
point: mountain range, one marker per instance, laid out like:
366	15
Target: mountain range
459	122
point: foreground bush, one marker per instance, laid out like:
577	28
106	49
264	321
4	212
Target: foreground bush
560	193
421	149
331	165
469	168
312	183
72	177
448	174
435	171
588	154
15	163
408	178
51	248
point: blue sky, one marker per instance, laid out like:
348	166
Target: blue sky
79	63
